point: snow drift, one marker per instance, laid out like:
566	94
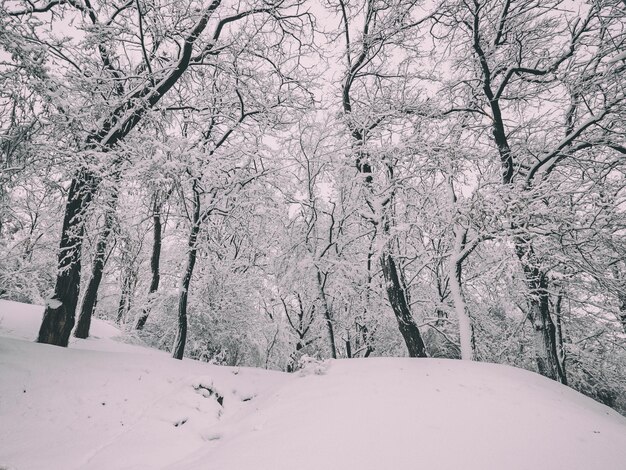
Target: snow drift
102	404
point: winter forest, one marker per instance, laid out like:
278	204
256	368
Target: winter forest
254	182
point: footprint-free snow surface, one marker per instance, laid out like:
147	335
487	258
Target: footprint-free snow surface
105	404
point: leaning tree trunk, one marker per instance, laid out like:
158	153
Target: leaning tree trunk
398	294
91	293
398	300
181	335
59	314
154	264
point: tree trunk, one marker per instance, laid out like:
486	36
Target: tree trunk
154	264
363	336
547	357
622	308
442	316
181	335
398	300
327	315
559	331
59	314
544	330
91	293
466	330
124	304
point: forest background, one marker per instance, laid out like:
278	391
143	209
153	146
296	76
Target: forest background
252	182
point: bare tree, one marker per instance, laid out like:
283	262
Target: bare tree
161	63
520	52
384	26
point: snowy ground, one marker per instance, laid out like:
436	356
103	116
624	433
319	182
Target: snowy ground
105	404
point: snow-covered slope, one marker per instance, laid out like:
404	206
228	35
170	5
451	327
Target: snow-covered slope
22	321
116	406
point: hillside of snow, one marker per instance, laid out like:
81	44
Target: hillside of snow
105	404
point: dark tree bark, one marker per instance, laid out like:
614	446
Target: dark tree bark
544	330
59	315
559	332
155	260
181	336
58	319
91	293
363	339
622	309
125	296
398	300
547	357
442	316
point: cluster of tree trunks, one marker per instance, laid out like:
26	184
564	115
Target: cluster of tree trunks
59	315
